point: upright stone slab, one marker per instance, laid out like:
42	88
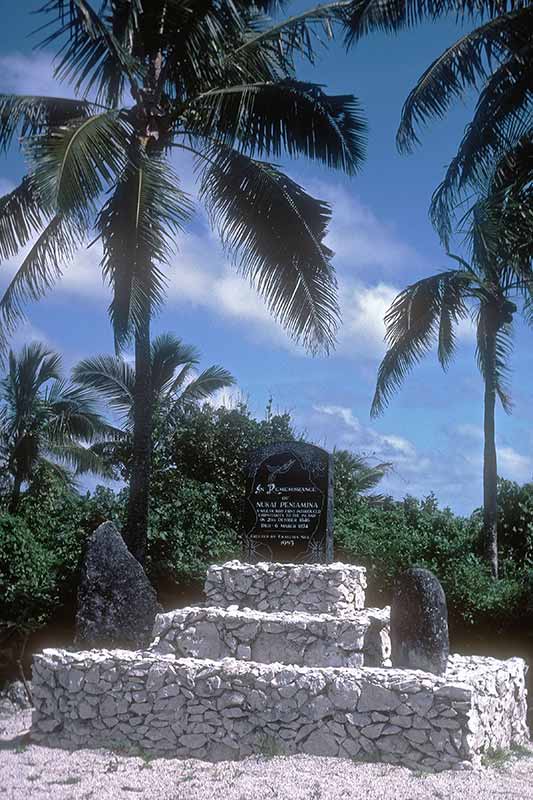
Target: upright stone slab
289	504
419	622
117	604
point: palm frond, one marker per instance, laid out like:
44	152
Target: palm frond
22	215
72	413
391	16
111	377
421	315
72	164
91	56
137	226
40	269
169	353
31	115
354	471
497	370
296	36
464	64
275	233
292	117
79	458
491	159
208	382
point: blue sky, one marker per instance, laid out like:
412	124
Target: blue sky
383	241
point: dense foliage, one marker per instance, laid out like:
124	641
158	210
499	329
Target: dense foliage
391	536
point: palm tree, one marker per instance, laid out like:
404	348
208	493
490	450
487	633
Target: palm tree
44	420
496	57
428	312
174	382
175	386
217	82
355	475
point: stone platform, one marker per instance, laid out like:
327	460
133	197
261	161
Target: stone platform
231	709
313	588
323	699
355	640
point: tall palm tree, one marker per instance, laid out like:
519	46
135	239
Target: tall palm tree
495	57
175	386
215	80
428	312
43	419
175	383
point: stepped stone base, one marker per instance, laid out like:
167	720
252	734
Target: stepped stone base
267	586
230	709
361	639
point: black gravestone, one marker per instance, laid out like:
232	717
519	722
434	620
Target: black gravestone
289	504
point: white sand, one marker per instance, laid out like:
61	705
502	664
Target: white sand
28	770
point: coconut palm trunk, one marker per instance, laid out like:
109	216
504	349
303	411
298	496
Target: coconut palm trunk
490	471
15	494
139	496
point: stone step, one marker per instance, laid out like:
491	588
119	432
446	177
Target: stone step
268	586
220	710
359	639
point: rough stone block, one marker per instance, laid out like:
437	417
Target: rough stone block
355	640
267	586
332	711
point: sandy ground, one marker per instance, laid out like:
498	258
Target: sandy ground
28	770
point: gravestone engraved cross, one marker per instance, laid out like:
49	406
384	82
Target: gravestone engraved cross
289	504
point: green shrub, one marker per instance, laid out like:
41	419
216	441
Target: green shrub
515	521
28	585
390	537
188	531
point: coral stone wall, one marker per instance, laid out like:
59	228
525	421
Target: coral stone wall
312	588
361	639
230	709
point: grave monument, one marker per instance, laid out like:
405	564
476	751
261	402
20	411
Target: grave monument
288	515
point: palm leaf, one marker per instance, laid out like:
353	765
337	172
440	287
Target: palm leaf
111	377
81	459
275	233
421	315
72	413
42	266
208	382
390	16
137	226
284	117
71	164
296	35
91	56
486	161
464	64
22	215
30	115
499	370
169	353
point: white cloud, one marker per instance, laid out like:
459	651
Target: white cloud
33	74
25	334
514	465
470	431
359	238
363	312
387	446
